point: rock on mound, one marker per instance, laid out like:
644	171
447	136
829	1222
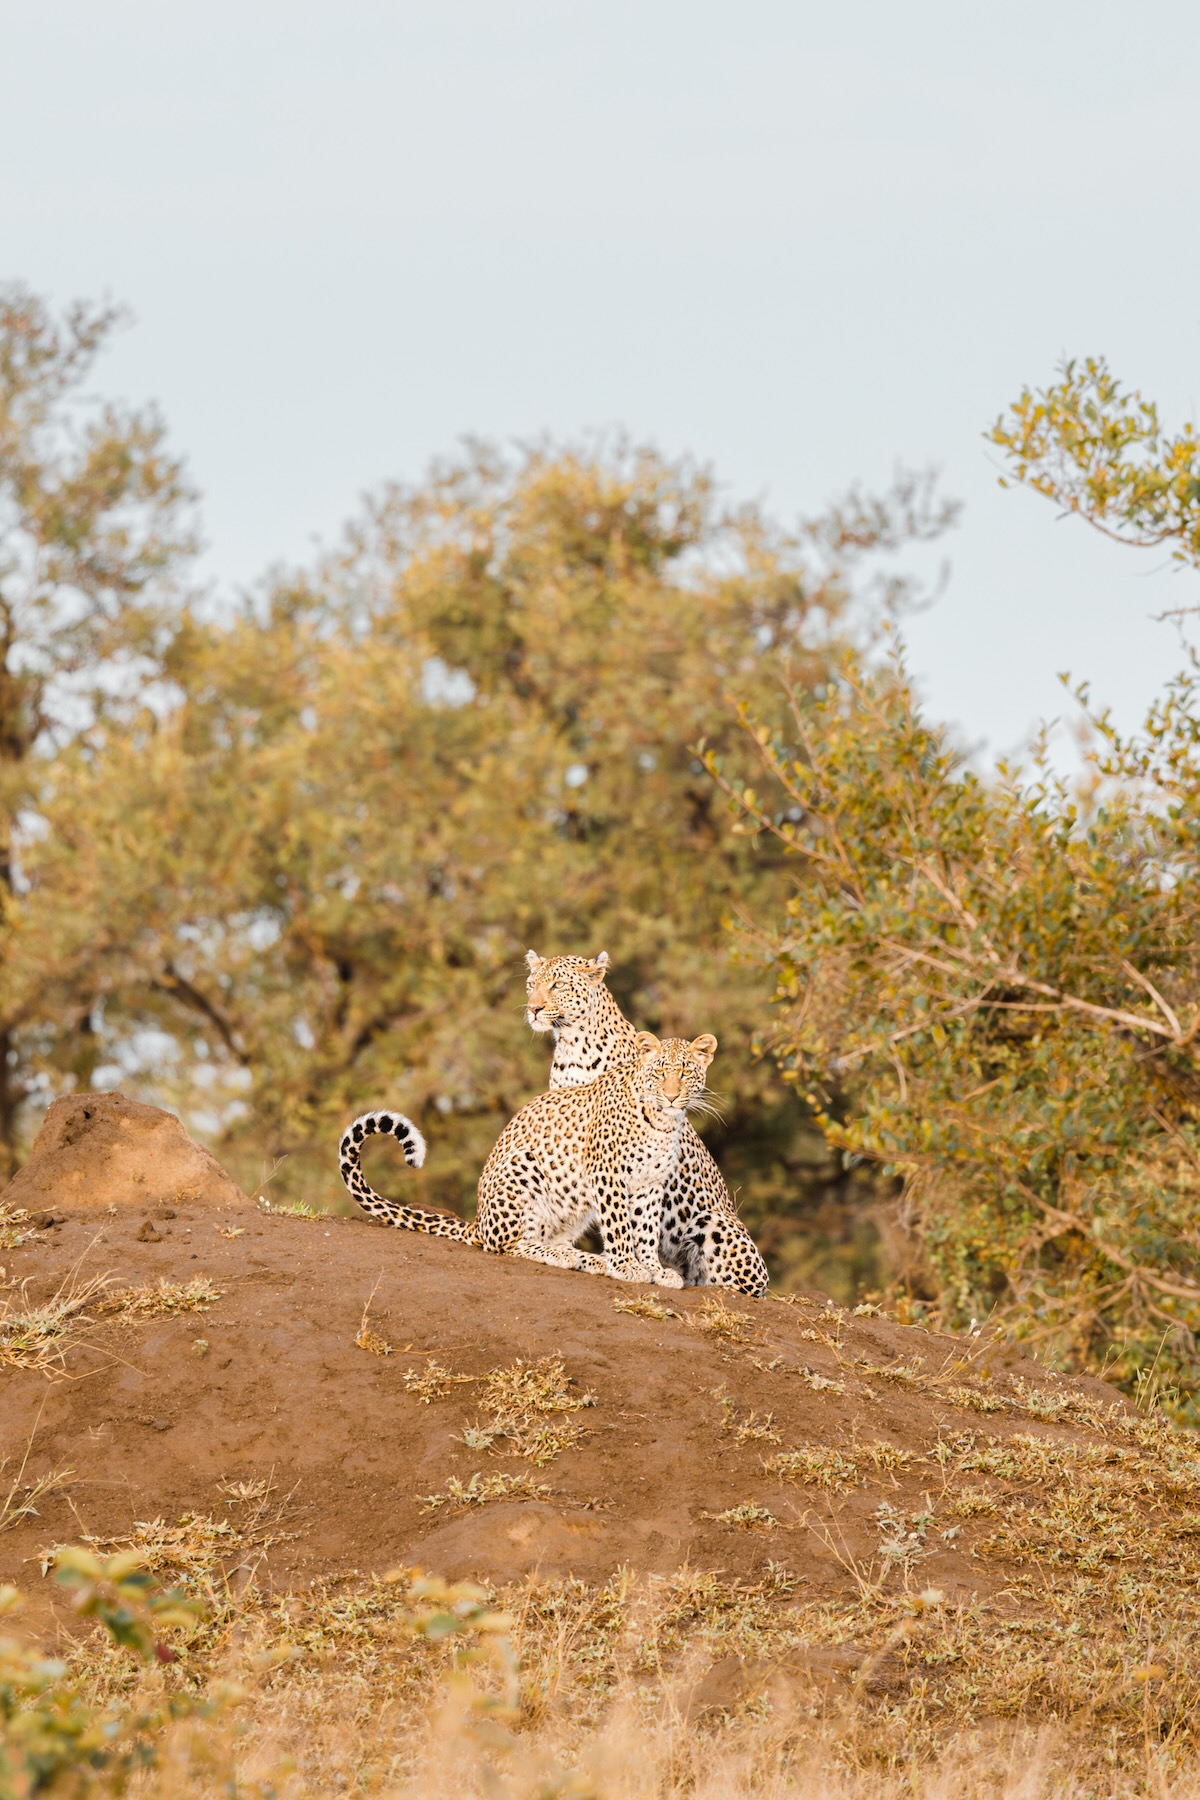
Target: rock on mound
100	1150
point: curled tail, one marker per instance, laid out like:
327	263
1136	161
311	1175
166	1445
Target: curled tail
406	1218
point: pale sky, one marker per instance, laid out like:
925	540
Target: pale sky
802	242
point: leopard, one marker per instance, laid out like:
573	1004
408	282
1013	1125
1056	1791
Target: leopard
703	1238
600	1153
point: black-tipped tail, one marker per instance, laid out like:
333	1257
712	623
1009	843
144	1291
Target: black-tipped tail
392	1212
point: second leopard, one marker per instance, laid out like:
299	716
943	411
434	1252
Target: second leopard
573	1157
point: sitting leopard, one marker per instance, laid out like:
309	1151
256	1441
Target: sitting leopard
573	1157
703	1238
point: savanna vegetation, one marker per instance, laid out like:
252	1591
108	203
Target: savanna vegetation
990	987
1078	1680
276	859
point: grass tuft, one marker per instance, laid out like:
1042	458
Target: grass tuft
817	1467
748	1516
16	1227
644	1307
21	1500
38	1336
433	1382
717	1320
159	1300
480	1489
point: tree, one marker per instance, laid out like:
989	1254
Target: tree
94	525
1099	452
464	733
990	988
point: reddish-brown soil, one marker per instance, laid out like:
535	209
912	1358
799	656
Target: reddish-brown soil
151	1421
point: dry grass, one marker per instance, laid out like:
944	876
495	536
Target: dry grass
819	1467
37	1336
657	1688
433	1382
717	1320
16	1227
522	1406
198	1553
480	1489
20	1500
644	1307
368	1338
293	1209
1079	1679
159	1300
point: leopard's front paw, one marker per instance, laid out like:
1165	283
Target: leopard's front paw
629	1271
668	1278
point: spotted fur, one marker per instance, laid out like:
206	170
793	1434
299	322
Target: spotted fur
595	1154
702	1237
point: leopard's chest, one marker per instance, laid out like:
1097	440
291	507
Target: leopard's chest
577	1065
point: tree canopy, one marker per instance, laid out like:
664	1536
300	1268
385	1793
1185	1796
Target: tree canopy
96	529
989	986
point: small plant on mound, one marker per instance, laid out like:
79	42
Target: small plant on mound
750	1429
481	1489
37	1337
433	1382
887	1457
368	1338
20	1502
522	1405
16	1227
642	1306
717	1320
818	1467
747	1516
160	1300
902	1536
519	1403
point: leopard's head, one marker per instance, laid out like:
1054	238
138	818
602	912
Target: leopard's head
562	990
671	1073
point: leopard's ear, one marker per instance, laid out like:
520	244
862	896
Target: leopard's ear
704	1048
645	1043
597	969
533	960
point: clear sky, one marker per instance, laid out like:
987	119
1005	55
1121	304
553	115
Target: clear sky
800	241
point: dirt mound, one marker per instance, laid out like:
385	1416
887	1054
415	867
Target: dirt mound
373	1398
96	1151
